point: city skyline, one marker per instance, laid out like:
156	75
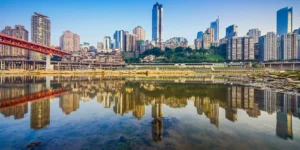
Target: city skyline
85	25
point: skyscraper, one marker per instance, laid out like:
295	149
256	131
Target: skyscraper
69	41
157	23
40	33
119	37
287	46
76	42
297	31
248	48
200	35
106	43
100	46
130	42
198	43
240	48
66	41
298	41
215	26
207	38
139	33
255	34
231	31
284	20
268	47
11	52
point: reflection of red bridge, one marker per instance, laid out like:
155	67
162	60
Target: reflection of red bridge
12	102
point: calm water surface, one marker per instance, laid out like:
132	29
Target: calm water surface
121	113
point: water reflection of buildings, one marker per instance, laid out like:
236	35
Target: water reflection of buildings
239	97
126	97
40	114
69	103
209	108
157	123
18	112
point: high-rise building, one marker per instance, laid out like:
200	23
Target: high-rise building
139	33
240	48
287	46
198	43
208	38
255	34
106	43
215	26
100	46
119	37
40	33
130	44
69	41
248	48
284	20
211	31
11	52
298	39
223	41
66	41
231	31
268	47
112	44
297	31
200	35
76	42
157	23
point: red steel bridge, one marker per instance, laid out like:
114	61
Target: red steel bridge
30	46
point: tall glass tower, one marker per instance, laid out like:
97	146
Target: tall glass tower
157	23
199	35
284	20
215	26
119	37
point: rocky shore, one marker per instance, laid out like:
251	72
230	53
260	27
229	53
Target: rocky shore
282	81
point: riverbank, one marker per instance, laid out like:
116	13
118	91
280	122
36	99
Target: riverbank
284	81
101	72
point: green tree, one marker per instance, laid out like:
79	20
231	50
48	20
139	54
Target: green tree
179	49
189	50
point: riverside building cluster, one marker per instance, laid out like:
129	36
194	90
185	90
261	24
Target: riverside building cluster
280	46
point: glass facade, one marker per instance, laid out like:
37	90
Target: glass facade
157	23
284	20
200	35
215	26
231	31
119	37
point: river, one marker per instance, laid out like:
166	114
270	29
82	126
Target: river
90	112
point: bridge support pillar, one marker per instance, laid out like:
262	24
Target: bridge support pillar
48	62
48	81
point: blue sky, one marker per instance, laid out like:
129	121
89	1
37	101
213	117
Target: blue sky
94	19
